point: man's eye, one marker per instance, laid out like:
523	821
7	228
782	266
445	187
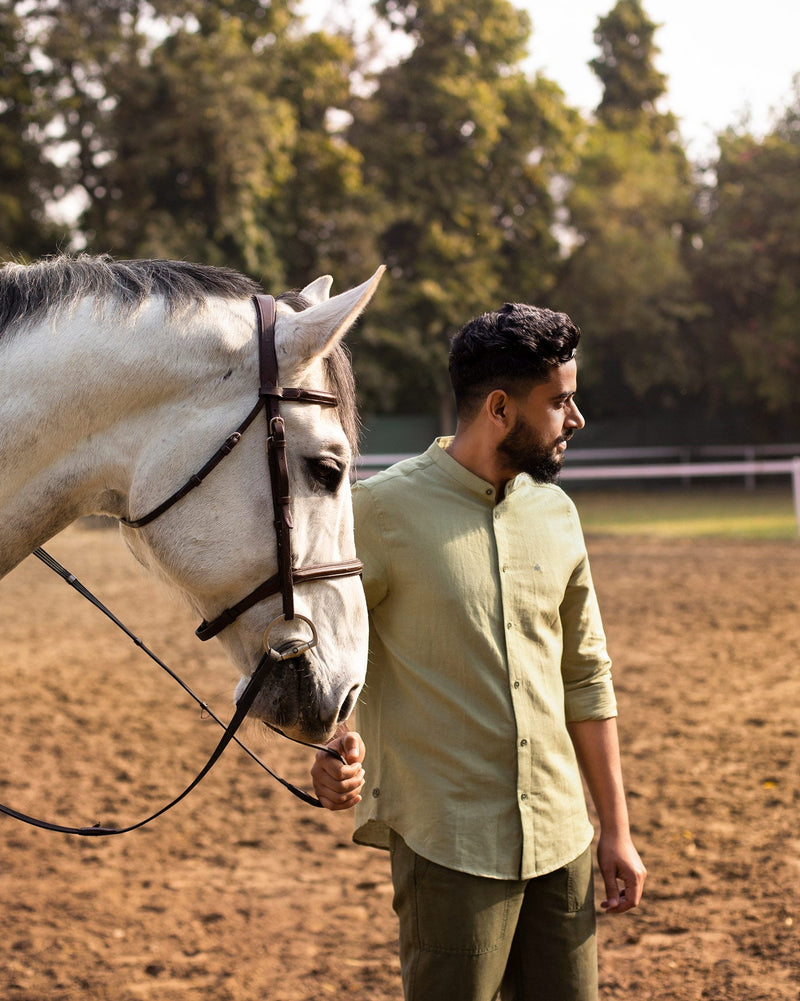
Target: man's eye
326	473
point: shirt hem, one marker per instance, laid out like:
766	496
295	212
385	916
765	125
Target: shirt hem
376	834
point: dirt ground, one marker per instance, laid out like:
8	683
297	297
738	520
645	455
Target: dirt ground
244	894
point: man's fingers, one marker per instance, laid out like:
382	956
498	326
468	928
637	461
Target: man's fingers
614	895
333	804
352	748
338	795
623	890
326	764
338	785
343	786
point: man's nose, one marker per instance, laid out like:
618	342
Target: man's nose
575	417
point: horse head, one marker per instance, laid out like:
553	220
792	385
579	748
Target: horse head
218	543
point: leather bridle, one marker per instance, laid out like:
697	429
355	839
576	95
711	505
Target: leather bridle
282	582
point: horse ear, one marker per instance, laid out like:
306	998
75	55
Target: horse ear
319	290
314	332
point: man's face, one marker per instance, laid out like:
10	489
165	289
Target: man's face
546	419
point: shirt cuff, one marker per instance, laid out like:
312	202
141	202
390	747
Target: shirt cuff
594	702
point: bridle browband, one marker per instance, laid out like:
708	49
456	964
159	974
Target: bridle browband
270	394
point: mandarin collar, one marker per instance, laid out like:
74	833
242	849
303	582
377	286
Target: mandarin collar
466	479
474	484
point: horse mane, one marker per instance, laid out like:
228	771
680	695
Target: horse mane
28	292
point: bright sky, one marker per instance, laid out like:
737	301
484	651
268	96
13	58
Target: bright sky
722	58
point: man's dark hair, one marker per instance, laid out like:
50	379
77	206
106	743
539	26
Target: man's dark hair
513	347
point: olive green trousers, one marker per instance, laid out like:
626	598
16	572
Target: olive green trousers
469	938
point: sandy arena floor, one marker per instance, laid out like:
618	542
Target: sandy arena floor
244	894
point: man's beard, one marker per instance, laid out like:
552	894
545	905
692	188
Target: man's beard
525	452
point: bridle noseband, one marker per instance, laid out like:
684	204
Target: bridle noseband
283	582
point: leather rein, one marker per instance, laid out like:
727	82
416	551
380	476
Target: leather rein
282	582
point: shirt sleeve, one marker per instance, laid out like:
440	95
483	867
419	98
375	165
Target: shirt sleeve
370	547
585	664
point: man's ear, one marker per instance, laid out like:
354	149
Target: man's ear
498	406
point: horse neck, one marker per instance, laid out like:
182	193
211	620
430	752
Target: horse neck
81	396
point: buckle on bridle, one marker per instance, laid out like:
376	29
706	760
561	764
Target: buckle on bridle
296	650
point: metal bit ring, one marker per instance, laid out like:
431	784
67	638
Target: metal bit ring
296	650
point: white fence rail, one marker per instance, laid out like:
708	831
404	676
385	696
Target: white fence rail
685	471
684	453
688	471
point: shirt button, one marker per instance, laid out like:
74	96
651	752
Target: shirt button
509	625
489	492
523	743
524	796
516	684
376	793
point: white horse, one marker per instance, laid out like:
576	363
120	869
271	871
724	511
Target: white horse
118	380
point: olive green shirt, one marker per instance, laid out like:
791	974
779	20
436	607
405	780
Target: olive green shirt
485	639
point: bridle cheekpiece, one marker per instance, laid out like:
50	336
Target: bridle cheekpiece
283	582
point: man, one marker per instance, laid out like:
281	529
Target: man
489	687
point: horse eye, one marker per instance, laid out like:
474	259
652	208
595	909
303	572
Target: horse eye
326	473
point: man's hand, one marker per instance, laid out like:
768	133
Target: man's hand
338	786
597	746
623	874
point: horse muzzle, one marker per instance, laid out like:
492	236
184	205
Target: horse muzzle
293	696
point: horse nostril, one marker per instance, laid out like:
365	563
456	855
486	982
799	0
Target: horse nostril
348	704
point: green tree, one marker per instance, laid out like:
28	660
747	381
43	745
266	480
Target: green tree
25	174
632	210
321	220
201	132
632	85
749	270
460	150
195	149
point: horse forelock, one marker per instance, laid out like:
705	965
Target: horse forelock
340	372
28	292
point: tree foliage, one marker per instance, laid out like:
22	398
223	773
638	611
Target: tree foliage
750	269
460	151
25	175
627	282
625	66
185	131
226	132
631	208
